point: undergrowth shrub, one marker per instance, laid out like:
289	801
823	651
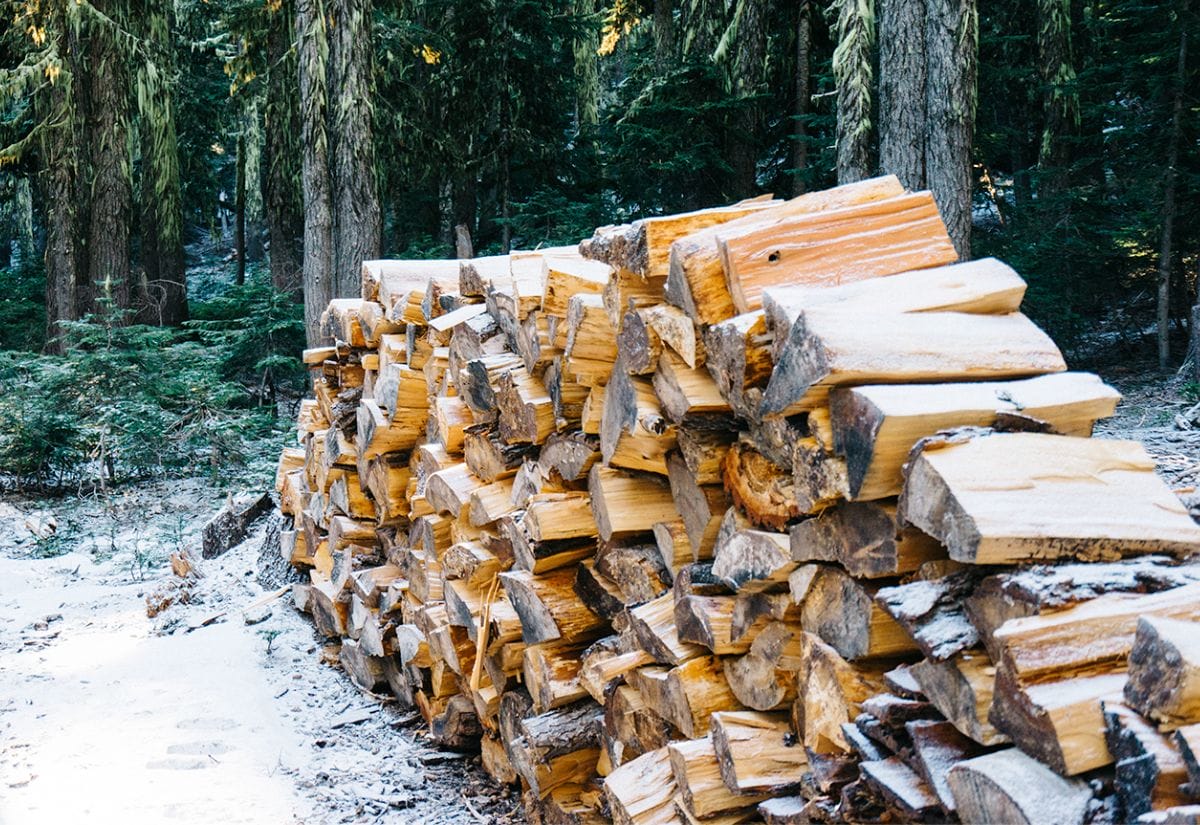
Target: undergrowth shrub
133	401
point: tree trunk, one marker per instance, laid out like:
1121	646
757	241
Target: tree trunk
902	91
587	69
165	298
749	71
952	52
1060	102
283	199
853	75
23	220
239	230
356	224
664	35
64	150
1166	242
703	22
313	56
803	73
107	79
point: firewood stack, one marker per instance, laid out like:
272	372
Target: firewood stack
769	512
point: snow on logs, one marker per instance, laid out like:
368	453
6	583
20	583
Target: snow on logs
767	511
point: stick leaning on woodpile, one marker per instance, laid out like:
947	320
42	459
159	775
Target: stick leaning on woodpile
770	512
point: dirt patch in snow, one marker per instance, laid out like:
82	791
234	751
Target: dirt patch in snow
194	716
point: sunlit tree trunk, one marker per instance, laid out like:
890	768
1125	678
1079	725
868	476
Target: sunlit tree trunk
803	92
952	53
110	182
282	197
854	75
313	56
902	116
165	299
1166	248
356	215
749	74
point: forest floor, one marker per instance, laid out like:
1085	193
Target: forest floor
198	715
107	716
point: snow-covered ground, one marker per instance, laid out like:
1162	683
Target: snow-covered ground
108	716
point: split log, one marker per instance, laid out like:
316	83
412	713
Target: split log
556	748
697	772
757	752
642	791
865	538
1093	637
490	458
842	611
704	452
1149	770
983	287
1042	589
638	344
631	728
1164	672
905	233
738	356
696	281
552	675
635	568
653	623
829	692
1118	506
526	409
839	347
1061	722
1008	786
675	329
634	433
762	489
961	688
548	607
937	747
688	695
570	455
626	290
875	427
931	612
689	396
753	560
674	549
603	667
566	277
598	592
902	789
626	505
644	247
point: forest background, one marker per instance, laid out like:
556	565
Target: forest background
185	183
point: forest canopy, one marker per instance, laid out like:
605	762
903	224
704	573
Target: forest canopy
157	156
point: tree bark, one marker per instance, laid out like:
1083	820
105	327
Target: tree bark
64	149
952	50
1166	240
902	114
749	74
313	55
357	222
165	298
111	287
664	35
853	76
282	196
1060	102
239	230
803	81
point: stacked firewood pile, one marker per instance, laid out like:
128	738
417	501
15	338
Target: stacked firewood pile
769	512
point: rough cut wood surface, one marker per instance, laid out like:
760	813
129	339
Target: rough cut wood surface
834	246
875	427
839	347
1014	497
